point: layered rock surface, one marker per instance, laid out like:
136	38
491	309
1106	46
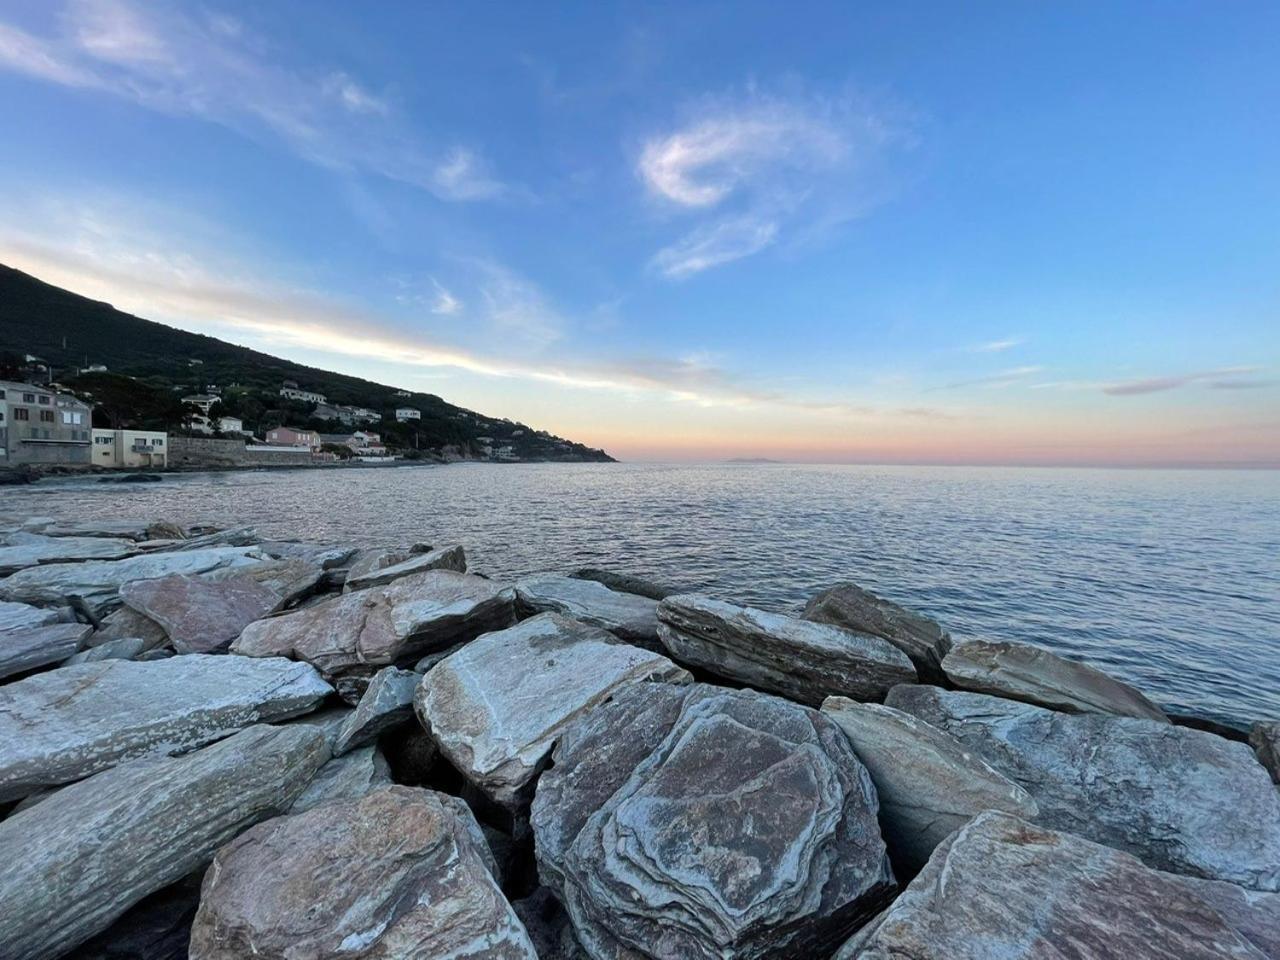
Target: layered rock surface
1150	789
73	863
798	659
69	723
387	703
1019	671
25	649
630	617
20	550
1265	740
446	558
700	822
394	874
200	616
20	616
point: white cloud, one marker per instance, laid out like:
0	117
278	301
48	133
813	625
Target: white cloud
444	303
461	175
1005	378
354	97
713	245
996	346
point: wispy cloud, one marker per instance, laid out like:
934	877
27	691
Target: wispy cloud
182	62
1225	378
444	303
757	165
1005	378
996	346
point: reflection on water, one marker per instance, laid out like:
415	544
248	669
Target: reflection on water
1168	579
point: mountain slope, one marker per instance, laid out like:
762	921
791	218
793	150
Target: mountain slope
69	331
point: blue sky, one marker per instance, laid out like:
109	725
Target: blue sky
918	232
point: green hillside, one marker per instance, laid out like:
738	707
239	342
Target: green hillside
150	366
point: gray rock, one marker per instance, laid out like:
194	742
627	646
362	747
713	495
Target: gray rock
326	555
496	707
72	864
126	622
1153	790
387	703
431	659
348	777
328	721
359	633
99	581
1251	913
129	529
446	558
21	550
700	822
69	723
126	648
239	537
804	661
23	650
627	583
396	873
199	615
929	785
22	616
1001	887
367	562
1264	738
290	580
1019	671
848	605
630	617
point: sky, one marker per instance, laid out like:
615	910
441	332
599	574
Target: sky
840	232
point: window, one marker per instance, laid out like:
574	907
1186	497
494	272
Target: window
1	394
46	416
159	442
21	413
28	398
72	416
44	401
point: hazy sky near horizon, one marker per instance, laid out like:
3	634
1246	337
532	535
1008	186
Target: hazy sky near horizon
922	232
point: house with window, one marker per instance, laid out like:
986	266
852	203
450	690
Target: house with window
130	448
202	400
42	425
290	391
288	437
405	414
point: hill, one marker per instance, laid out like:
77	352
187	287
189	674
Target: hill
150	366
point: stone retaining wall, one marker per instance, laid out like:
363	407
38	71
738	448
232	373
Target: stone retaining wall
211	452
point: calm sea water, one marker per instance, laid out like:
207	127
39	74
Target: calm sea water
1168	579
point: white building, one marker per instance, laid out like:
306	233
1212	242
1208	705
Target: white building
202	400
405	414
130	448
306	396
204	425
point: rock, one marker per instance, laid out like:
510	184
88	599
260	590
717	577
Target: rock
239	537
349	777
368	562
128	529
548	926
626	583
24	650
200	616
928	784
1254	915
496	707
329	721
1264	738
290	580
798	659
21	550
446	558
74	863
848	605
412	755
630	617
126	648
1001	887
1153	790
394	874
700	822
362	632
158	927
125	622
1019	671
431	659
69	723
387	703
22	616
327	556
98	582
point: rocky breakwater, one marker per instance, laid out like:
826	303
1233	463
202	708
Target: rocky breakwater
218	747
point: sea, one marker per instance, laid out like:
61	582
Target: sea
1167	579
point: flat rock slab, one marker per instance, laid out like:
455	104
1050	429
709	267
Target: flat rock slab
73	863
1265	740
200	616
496	707
129	529
126	648
446	558
1001	887
98	582
798	659
290	580
625	615
929	784
348	777
23	650
21	616
1178	799
387	703
359	633
627	583
21	550
67	724
126	622
850	606
1019	671
397	873
699	822
1251	913
327	555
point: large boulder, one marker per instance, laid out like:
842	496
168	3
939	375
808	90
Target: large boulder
850	606
21	550
700	822
798	659
20	616
359	633
630	617
126	622
200	616
348	777
929	785
496	707
73	863
627	583
326	555
387	703
1264	738
1178	799
129	529
446	558
398	873
66	724
23	650
1253	914
1019	671
1001	887
291	579
98	582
